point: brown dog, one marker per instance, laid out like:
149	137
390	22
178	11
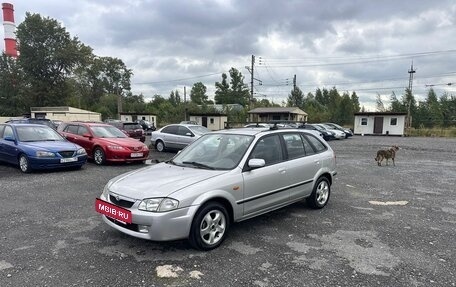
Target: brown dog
386	154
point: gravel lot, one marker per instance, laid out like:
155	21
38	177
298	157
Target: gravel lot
383	226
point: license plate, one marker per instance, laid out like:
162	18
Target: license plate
136	154
70	159
113	211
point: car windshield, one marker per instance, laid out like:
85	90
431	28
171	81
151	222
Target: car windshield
130	127
318	127
199	129
37	133
327	127
338	127
214	151
107	132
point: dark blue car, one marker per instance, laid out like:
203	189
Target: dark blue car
32	146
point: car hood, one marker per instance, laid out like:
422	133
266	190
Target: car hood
130	142
159	180
51	145
339	132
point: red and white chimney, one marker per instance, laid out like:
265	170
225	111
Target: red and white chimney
10	29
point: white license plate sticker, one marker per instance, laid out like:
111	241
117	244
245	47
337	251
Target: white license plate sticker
136	154
70	159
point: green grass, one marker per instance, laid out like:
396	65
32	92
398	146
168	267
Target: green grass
433	132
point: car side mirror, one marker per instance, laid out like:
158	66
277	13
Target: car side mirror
189	134
10	139
256	163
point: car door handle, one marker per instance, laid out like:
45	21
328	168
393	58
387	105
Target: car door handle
317	162
282	170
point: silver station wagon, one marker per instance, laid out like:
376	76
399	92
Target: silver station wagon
223	177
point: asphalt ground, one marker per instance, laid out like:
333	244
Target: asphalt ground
383	226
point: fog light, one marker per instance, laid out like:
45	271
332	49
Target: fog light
143	228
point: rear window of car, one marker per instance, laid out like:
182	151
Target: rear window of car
316	143
130	127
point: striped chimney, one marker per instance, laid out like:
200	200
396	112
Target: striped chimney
10	29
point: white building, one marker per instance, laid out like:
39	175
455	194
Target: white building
133	117
381	123
64	114
214	122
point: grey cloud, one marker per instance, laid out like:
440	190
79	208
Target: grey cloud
154	37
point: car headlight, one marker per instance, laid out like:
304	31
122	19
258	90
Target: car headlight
158	204
116	147
81	151
41	153
106	190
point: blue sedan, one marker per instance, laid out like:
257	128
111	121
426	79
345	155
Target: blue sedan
32	146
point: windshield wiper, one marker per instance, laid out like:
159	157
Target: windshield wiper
198	164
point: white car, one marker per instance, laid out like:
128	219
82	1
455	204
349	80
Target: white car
338	134
176	136
221	178
348	132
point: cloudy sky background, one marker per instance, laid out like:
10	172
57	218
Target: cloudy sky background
362	46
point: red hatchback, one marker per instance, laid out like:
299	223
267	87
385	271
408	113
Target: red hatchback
104	142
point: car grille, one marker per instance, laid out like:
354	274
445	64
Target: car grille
69	153
121	202
130	226
137	148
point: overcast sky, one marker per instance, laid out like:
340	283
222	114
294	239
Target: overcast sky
365	46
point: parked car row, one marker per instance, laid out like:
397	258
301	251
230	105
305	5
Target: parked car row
38	146
178	136
218	179
329	131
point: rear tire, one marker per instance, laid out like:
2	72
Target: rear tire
320	194
24	164
160	146
99	156
209	227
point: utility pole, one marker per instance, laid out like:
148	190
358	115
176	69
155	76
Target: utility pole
411	72
185	103
119	100
251	81
409	122
294	82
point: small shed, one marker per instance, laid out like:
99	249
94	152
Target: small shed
380	123
293	114
64	114
212	121
133	117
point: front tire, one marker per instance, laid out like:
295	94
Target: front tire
209	227
320	194
24	164
160	146
99	156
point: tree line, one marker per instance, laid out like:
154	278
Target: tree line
55	69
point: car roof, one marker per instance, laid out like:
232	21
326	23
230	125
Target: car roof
255	131
24	124
91	124
184	125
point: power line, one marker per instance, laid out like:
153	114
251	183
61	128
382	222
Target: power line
177	80
310	62
407	55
